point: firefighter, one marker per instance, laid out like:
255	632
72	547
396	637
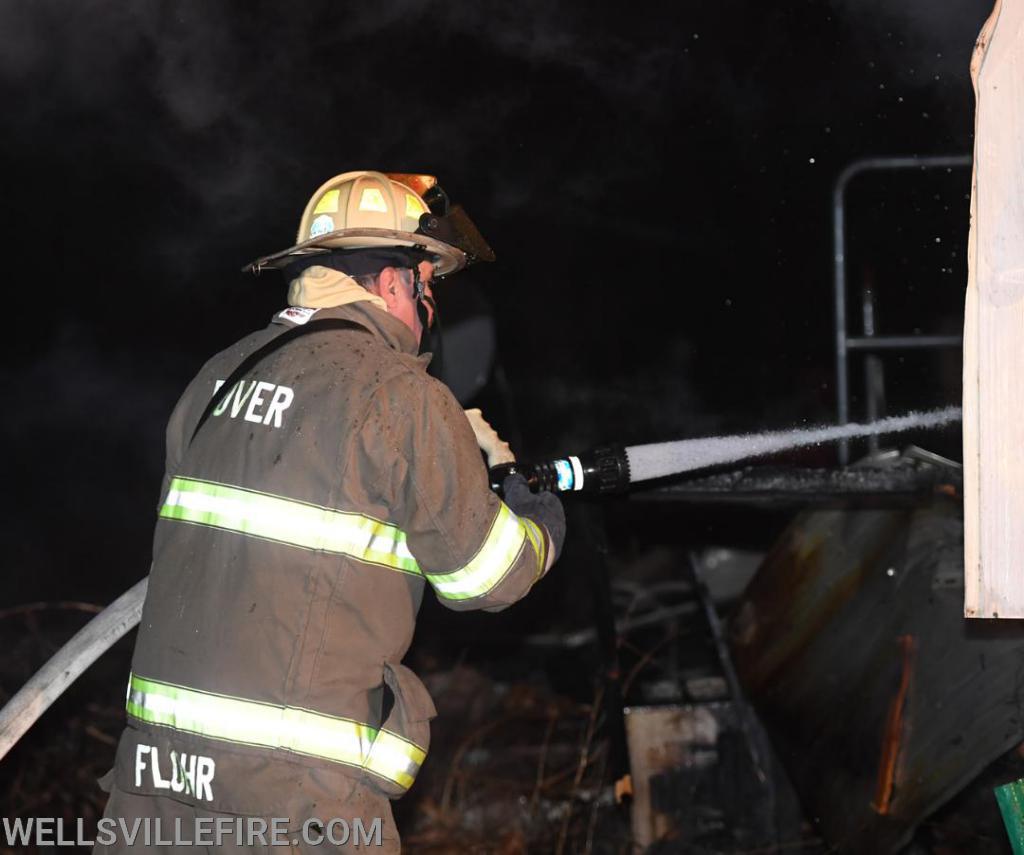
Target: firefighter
317	481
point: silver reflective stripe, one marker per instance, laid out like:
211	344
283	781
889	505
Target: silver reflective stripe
500	550
288	521
300	731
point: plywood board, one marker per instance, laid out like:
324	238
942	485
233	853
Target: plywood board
994	326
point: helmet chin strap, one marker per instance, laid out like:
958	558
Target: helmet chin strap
431	338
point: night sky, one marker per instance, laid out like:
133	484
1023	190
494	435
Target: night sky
654	178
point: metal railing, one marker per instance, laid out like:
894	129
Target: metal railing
869	342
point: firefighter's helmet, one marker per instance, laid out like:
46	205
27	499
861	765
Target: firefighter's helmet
365	209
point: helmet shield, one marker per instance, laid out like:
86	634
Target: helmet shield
457	229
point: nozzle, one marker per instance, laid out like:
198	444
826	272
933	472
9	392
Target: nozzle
602	470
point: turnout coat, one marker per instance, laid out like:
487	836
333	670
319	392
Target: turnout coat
297	531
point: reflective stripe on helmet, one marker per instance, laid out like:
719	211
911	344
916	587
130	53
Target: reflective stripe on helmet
300	731
288	521
500	550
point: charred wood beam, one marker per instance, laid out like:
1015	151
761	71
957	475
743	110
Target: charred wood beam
781	485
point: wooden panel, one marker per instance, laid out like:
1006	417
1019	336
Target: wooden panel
994	326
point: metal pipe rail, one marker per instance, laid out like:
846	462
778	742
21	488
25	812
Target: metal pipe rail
844	342
902	342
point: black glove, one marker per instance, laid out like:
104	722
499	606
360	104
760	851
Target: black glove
543	508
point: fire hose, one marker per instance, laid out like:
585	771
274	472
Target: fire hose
65	666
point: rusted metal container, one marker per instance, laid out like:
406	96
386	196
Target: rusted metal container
880	699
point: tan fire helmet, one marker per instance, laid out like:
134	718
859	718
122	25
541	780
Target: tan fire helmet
365	209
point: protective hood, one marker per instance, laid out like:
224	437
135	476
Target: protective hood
323	288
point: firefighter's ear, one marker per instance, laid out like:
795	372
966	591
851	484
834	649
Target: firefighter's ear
389	285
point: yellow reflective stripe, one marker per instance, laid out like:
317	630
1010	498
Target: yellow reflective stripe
539	543
488	567
394	758
265	725
288	521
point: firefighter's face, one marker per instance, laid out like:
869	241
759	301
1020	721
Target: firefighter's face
397	287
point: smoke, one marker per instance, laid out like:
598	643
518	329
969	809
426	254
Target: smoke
921	24
915	43
83	447
169	90
109	398
234	107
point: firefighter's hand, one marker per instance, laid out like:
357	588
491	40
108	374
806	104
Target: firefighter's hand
543	508
496	449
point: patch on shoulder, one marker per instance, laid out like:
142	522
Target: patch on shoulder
297	314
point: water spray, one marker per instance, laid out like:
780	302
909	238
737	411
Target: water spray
613	468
